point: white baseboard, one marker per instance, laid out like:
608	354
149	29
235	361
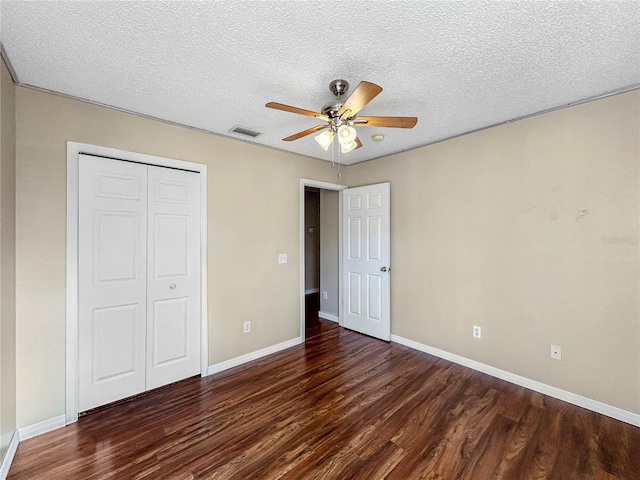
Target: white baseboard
311	290
8	456
234	362
42	427
328	316
575	399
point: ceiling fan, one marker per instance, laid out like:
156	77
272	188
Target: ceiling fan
340	116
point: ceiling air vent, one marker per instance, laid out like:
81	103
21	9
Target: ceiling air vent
245	131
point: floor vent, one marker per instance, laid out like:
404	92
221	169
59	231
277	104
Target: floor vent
245	131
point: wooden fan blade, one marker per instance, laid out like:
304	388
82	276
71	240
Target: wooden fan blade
395	122
363	94
299	111
358	142
304	133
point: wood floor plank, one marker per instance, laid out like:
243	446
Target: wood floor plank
511	465
490	450
341	406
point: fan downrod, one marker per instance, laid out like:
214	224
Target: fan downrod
332	109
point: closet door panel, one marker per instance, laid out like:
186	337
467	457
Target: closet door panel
173	272
112	231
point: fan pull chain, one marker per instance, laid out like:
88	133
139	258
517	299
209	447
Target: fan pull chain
333	154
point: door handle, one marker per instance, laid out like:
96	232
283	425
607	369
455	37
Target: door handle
383	269
172	286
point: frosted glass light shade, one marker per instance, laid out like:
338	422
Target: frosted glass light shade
346	135
324	139
347	148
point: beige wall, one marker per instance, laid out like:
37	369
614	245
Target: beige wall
253	215
529	230
329	251
311	240
487	230
7	260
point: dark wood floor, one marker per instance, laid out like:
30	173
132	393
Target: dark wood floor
341	406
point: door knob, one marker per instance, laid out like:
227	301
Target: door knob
383	269
172	286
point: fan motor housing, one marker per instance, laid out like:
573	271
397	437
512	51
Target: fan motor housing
332	109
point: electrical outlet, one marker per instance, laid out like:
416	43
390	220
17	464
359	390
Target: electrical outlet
282	258
556	352
247	327
477	332
325	295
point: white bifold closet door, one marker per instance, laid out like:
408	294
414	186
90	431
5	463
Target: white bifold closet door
139	278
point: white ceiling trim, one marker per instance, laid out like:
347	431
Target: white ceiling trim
228	137
459	67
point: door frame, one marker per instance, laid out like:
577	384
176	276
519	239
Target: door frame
74	149
306	182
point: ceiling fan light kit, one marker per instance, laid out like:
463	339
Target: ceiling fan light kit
341	117
324	139
346	135
346	148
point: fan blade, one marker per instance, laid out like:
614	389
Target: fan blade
395	122
304	133
299	111
358	142
363	94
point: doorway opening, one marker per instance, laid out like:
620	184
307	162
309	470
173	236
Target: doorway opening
312	260
320	242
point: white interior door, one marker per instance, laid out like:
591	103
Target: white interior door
112	237
366	260
138	280
173	276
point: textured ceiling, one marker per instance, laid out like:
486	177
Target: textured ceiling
457	66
